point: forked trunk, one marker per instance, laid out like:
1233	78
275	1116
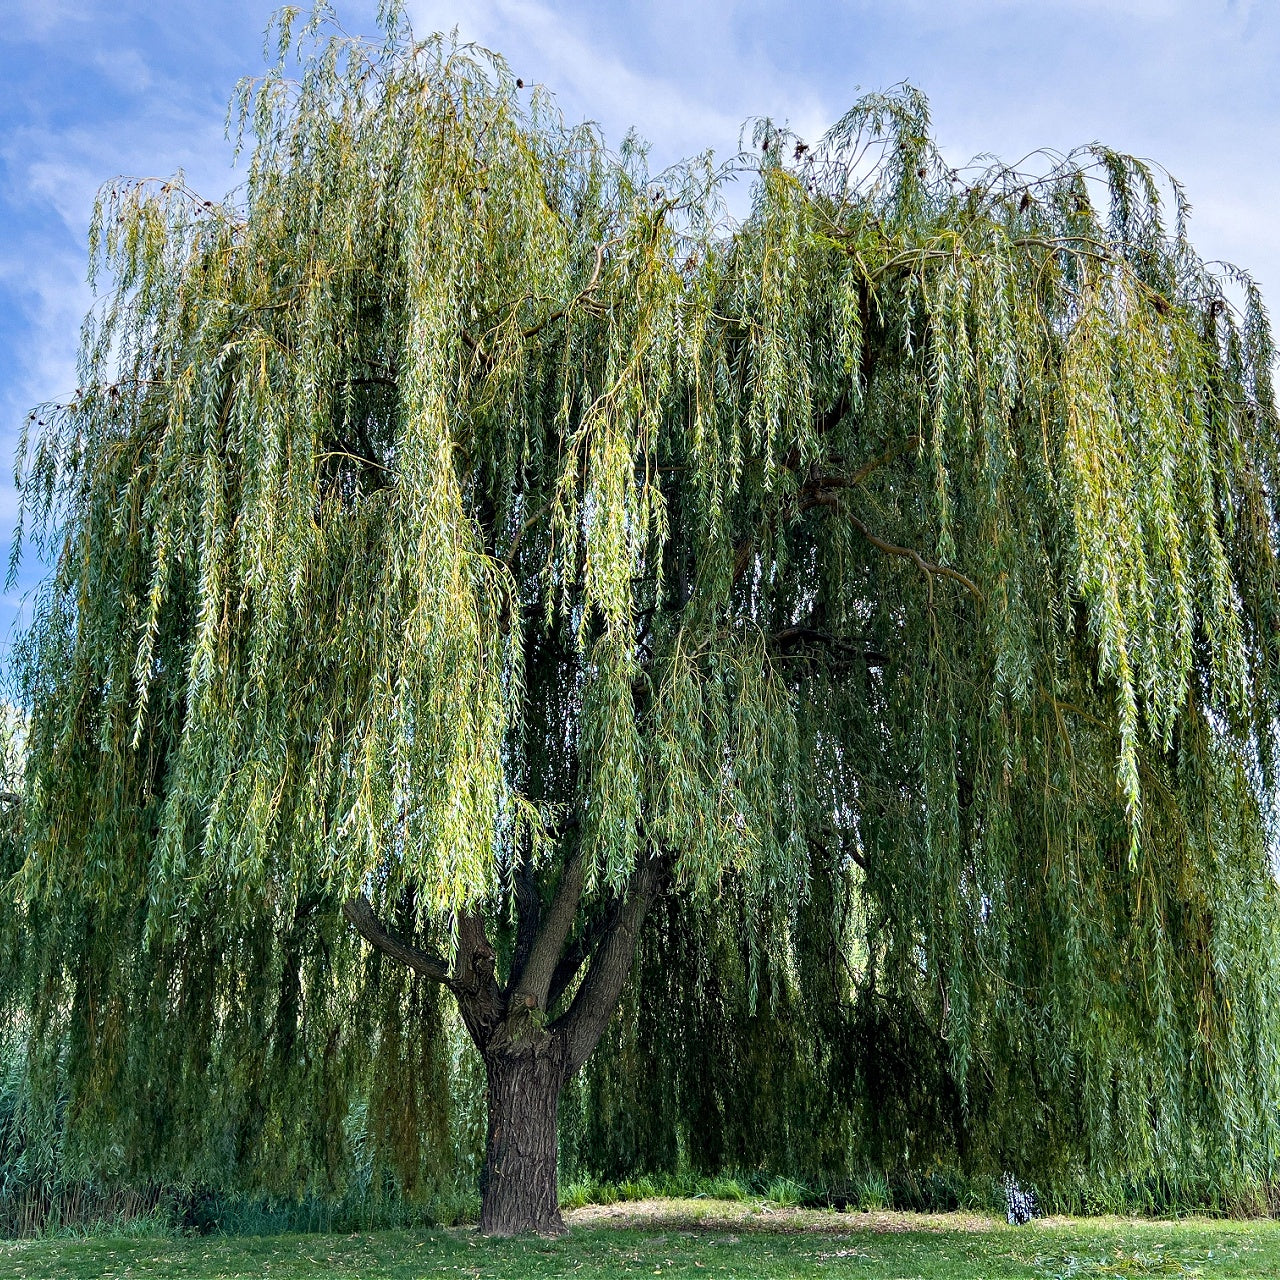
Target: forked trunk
521	1190
526	1062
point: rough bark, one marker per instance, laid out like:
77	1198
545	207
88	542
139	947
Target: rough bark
521	1189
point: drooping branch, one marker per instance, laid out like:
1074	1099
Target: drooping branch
824	426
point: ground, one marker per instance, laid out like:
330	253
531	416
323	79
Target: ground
690	1238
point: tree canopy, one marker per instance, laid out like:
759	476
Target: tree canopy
461	525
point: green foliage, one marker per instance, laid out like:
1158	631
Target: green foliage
854	1096
49	1187
897	564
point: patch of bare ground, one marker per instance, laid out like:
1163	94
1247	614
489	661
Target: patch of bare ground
753	1215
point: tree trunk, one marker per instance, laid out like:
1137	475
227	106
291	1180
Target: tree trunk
526	1062
521	1190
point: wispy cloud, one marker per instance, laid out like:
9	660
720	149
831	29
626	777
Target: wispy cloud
36	19
593	77
87	101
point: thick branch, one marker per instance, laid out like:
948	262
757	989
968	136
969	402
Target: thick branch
360	913
531	985
582	1025
847	850
524	528
528	916
580	952
479	999
743	552
476	959
925	566
891	454
824	426
794	639
487	358
584	292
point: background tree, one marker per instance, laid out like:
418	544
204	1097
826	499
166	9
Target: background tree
465	540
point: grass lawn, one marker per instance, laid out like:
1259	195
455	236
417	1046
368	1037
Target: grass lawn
688	1239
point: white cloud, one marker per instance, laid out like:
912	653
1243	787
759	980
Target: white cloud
126	69
133	120
951	12
51	292
55	175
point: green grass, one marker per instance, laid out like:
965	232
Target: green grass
683	1239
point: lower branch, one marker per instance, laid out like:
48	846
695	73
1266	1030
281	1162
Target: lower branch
532	981
480	1000
580	952
927	567
360	913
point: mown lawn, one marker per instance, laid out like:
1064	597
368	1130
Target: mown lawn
690	1239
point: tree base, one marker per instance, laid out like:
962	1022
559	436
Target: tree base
552	1229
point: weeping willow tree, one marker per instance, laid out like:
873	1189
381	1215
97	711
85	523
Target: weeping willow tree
465	540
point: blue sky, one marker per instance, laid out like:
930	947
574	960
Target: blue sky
93	89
